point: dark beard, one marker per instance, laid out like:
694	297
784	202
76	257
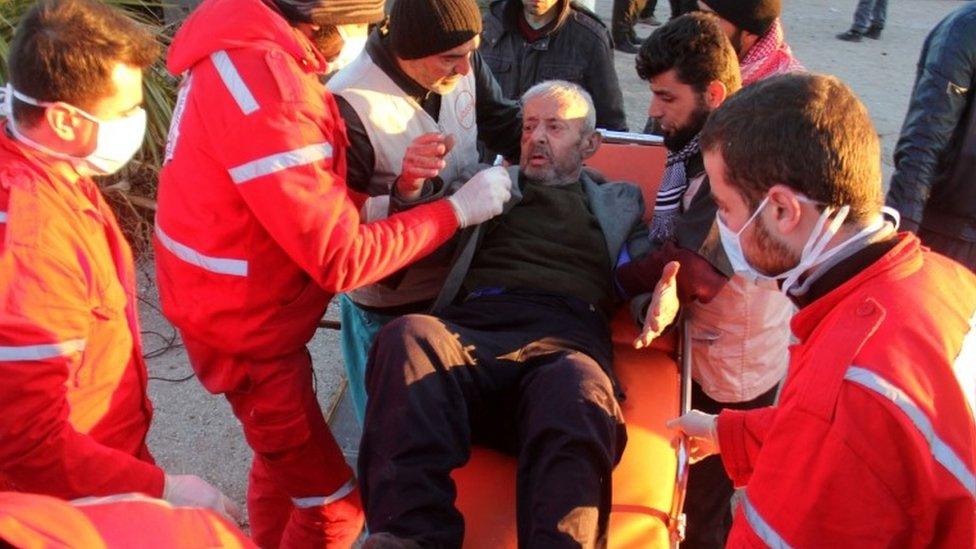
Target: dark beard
328	41
682	136
776	258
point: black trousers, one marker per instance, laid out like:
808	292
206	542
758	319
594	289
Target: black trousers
708	506
525	373
626	12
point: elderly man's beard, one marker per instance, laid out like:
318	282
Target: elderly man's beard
558	171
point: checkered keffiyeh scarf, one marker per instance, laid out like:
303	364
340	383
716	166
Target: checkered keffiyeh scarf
770	56
667	205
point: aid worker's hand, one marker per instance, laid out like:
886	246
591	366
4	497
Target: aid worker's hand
663	308
482	197
702	432
193	491
423	159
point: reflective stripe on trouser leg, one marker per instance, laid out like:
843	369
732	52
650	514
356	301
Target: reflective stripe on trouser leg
766	533
315	501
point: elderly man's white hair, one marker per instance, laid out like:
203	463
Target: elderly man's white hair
566	93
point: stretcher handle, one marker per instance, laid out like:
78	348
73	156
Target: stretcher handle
631	138
676	518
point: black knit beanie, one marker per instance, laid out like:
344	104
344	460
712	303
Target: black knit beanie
332	12
755	16
419	28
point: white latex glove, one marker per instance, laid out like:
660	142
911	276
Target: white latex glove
193	491
482	197
702	432
663	308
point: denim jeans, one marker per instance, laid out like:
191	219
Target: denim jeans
359	329
870	12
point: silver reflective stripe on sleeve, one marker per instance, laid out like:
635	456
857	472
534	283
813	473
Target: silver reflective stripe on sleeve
41	352
235	84
965	366
3	217
315	501
759	525
219	265
280	161
942	453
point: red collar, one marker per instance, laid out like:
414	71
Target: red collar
903	260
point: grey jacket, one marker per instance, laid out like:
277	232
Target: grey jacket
618	208
934	184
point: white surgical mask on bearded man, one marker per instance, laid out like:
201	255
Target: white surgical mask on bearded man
354	42
116	141
813	253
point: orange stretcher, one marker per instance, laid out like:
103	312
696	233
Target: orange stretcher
650	480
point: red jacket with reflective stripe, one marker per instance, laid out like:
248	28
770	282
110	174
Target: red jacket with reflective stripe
255	228
73	406
124	521
873	440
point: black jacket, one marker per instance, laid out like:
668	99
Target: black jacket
577	49
935	159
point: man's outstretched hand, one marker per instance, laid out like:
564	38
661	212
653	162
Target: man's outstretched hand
663	308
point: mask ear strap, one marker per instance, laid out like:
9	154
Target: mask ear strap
815	246
753	217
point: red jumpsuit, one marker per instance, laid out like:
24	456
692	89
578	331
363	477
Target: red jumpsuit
121	521
255	232
873	442
73	407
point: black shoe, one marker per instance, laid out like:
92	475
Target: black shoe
874	32
634	40
622	43
626	46
850	36
650	20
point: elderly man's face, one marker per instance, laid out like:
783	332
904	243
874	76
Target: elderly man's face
553	143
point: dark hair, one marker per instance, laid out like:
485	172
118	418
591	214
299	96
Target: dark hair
696	48
807	131
65	50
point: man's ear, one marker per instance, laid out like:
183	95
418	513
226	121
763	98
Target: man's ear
784	208
590	144
63	121
715	94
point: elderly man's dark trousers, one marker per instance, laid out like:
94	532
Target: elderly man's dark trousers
525	373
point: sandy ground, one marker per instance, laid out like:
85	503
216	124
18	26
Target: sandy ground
195	432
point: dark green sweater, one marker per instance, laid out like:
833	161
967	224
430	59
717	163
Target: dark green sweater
549	242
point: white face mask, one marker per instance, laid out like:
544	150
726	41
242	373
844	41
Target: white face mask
813	253
116	141
354	42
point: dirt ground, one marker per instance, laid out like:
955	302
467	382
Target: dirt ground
195	432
